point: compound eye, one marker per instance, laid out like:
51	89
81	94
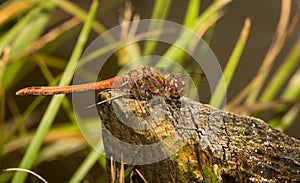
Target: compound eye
177	87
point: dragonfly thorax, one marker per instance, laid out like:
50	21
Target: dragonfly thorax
143	83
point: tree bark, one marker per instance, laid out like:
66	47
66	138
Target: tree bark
205	144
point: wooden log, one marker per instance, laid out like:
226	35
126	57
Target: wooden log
198	143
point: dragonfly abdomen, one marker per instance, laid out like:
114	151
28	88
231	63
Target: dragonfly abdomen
115	82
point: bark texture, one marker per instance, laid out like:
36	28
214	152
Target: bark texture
202	144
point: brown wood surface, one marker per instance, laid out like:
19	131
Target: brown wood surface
218	146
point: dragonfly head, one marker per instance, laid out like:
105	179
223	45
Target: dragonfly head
177	87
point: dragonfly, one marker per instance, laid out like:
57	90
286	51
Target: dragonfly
141	82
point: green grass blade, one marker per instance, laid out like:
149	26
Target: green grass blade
291	93
47	74
209	34
219	93
21	120
78	12
11	9
17	28
25	115
283	122
34	147
192	13
274	50
20	36
33	25
161	9
175	52
282	74
128	53
86	165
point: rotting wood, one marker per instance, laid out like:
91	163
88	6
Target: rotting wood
218	146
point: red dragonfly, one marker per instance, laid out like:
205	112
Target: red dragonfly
55	90
142	83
